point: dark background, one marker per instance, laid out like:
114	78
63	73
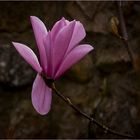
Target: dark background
105	84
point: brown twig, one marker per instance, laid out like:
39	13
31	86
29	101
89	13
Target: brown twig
50	83
124	34
94	121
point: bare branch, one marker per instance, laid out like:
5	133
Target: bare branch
124	34
94	121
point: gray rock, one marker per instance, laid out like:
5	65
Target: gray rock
18	21
119	108
111	55
94	15
25	122
14	71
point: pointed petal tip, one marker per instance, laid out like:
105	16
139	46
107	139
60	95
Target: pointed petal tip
88	47
28	55
63	18
91	47
33	17
74	21
14	43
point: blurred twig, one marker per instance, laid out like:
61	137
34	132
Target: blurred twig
124	34
91	119
50	83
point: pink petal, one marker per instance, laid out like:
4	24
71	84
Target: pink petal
67	22
57	27
78	35
48	48
41	96
40	32
73	57
61	44
28	55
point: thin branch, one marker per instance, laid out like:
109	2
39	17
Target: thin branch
124	34
94	121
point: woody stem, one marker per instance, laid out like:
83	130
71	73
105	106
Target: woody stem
93	120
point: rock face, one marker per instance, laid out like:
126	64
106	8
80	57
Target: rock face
112	56
104	84
119	106
14	71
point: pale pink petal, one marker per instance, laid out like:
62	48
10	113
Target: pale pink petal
78	35
57	27
41	96
28	55
61	44
67	22
73	57
48	47
40	32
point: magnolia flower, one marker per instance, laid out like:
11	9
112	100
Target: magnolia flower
58	51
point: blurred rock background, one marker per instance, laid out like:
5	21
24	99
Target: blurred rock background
104	84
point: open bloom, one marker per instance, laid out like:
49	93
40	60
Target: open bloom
58	51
